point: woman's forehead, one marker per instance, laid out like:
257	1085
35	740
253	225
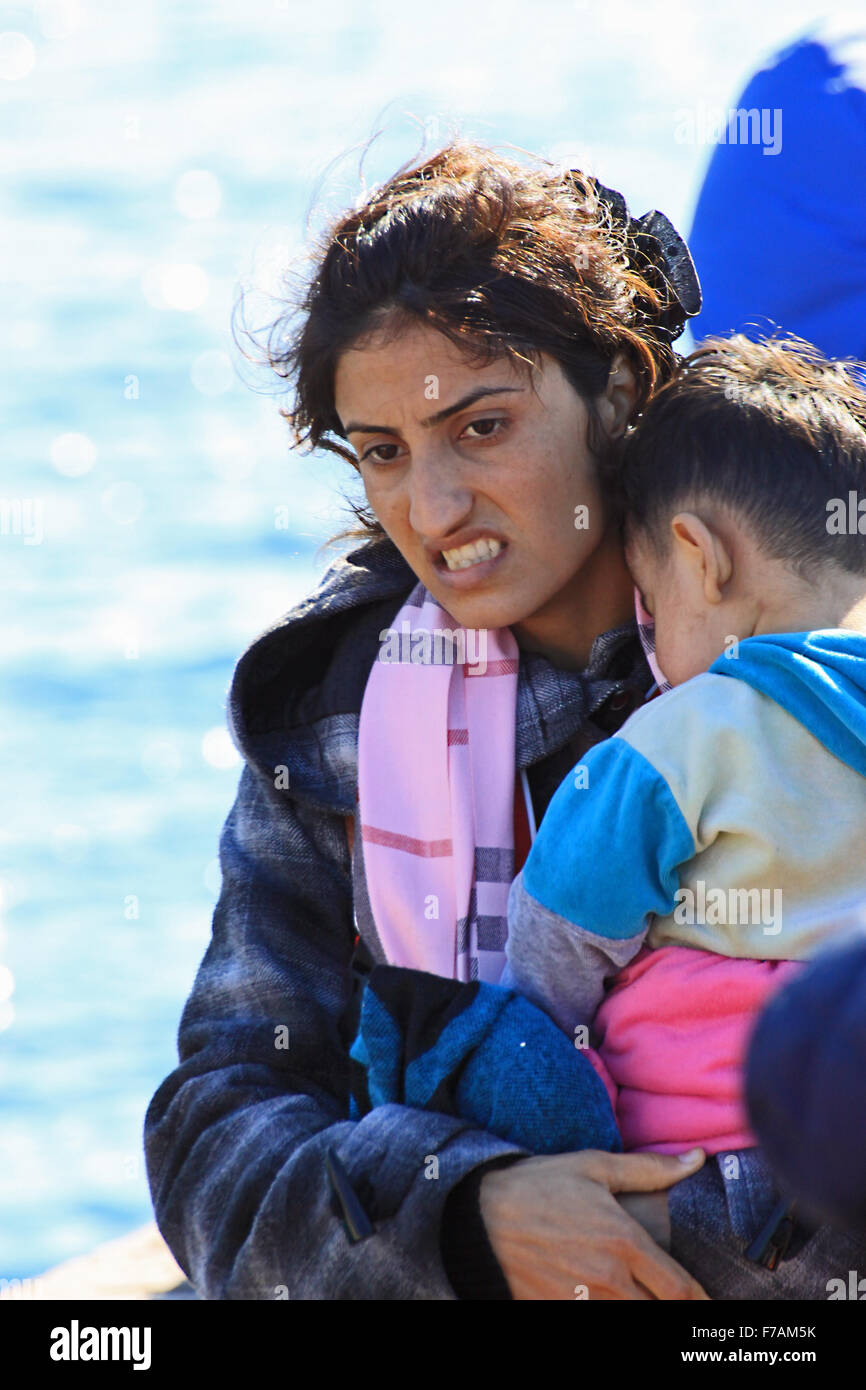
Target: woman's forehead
423	364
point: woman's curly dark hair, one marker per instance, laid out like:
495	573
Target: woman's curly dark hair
501	258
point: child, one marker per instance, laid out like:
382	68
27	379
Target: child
696	857
691	862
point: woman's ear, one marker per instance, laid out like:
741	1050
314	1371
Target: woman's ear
704	553
616	403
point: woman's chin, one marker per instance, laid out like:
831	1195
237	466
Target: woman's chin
480	595
480	611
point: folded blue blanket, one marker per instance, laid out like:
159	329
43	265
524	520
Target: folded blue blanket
479	1051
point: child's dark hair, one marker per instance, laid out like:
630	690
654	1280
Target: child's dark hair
771	429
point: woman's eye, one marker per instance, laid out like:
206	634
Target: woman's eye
488	428
488	420
371	453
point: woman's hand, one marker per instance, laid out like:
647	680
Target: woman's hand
555	1226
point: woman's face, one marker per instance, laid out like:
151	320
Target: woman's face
486	487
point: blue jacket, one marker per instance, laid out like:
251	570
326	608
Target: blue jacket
790	223
806	1085
703	789
236	1136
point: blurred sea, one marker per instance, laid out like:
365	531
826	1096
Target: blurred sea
153	157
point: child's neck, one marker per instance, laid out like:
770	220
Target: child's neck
840	603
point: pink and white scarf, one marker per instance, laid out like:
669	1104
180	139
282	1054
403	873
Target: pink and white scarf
436	783
646	632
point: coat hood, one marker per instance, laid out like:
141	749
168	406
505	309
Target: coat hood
312	666
819	677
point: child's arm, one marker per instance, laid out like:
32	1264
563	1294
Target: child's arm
560	967
603	862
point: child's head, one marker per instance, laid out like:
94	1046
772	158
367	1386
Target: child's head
736	482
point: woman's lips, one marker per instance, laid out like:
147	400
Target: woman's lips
473	574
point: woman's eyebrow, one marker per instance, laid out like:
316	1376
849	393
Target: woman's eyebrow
438	416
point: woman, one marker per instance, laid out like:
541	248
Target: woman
479	335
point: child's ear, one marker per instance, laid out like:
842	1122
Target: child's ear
704	552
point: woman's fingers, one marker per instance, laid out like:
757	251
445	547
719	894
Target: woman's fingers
645	1172
643	1265
558	1231
622	1290
619	1270
658	1272
650	1266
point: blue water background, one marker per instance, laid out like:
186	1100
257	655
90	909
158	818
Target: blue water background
159	558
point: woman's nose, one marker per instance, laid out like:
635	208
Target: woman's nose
439	498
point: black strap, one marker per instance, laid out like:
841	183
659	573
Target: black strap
771	1244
